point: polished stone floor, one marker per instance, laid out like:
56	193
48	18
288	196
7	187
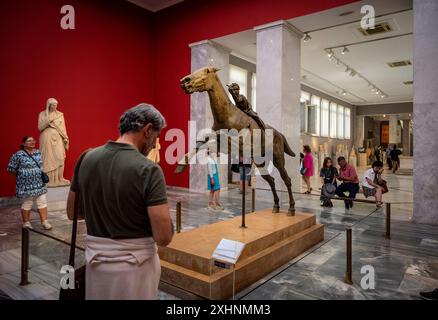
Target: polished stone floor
404	265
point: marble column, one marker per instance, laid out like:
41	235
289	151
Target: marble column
203	54
406	138
394	136
278	89
425	111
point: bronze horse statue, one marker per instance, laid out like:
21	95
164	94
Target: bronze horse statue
227	116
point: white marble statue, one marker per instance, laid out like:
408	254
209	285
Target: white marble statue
53	143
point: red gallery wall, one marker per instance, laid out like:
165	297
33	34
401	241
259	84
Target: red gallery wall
118	55
95	71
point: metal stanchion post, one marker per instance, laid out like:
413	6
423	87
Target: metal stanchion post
388	221
24	256
348	273
178	217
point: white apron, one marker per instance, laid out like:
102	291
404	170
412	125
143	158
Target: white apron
124	269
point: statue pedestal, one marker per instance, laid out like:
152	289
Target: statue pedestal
271	240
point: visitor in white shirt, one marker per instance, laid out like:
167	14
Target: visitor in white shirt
372	183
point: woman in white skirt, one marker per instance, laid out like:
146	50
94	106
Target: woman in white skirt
26	166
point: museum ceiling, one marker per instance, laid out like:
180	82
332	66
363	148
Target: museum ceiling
369	55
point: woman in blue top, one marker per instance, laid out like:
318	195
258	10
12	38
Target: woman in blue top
26	166
213	182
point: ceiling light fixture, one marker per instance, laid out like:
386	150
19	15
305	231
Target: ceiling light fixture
345	50
307	37
330	53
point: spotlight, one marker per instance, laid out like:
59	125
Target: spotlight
344	93
384	96
377	92
330	53
307	37
345	50
384	115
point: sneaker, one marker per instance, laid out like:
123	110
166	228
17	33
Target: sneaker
219	207
431	295
27	225
211	207
46	225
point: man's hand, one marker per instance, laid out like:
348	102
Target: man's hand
212	182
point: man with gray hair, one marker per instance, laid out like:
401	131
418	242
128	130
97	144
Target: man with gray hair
124	203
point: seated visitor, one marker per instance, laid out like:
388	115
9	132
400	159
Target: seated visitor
123	199
350	182
26	165
213	182
328	176
372	183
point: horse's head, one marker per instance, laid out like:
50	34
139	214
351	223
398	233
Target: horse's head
199	81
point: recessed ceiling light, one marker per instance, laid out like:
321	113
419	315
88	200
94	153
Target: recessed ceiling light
345	50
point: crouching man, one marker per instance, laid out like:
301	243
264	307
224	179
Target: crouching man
122	196
373	185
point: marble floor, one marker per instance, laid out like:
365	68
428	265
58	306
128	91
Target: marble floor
404	265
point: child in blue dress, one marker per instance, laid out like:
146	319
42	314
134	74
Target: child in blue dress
213	182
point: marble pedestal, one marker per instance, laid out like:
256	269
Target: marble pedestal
271	241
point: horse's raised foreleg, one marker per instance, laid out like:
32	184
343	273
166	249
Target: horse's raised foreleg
269	179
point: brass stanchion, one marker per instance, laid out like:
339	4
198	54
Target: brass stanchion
348	273
24	256
178	217
253	194
388	221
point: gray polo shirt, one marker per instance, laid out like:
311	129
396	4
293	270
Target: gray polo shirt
117	184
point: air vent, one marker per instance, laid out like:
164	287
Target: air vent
408	83
378	29
397	64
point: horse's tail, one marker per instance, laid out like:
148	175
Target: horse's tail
287	148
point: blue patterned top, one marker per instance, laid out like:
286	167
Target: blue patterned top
29	182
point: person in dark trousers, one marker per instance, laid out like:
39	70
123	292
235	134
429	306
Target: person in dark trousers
328	176
395	159
388	156
350	182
